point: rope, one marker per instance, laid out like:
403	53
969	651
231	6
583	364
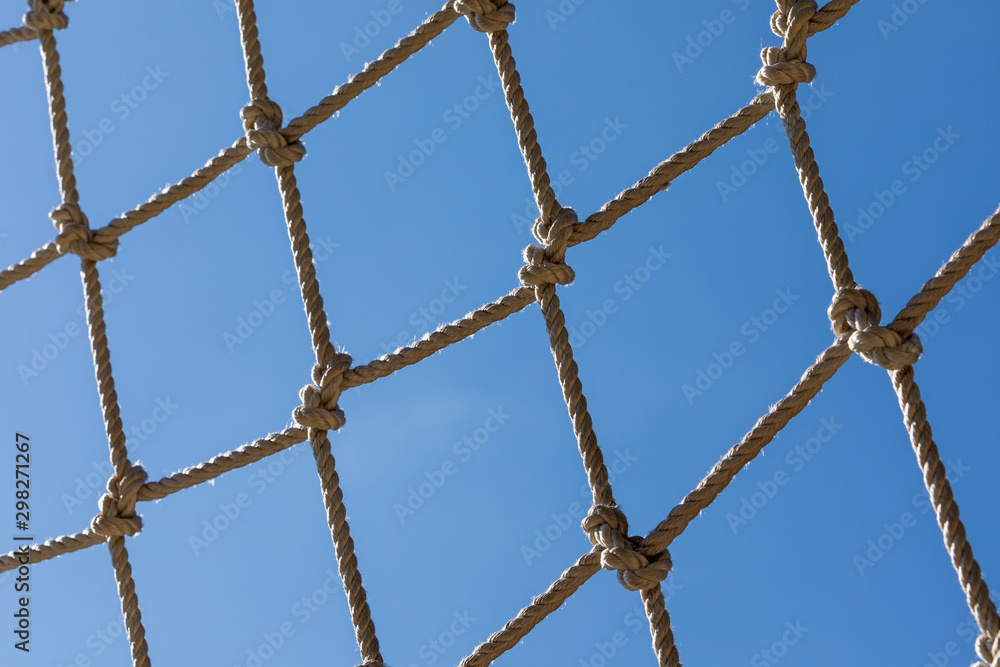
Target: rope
319	411
641	563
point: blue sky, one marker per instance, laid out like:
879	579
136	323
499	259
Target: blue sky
727	259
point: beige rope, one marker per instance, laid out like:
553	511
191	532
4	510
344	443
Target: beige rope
370	75
30	266
319	411
977	593
221	463
544	268
944	280
42	16
445	335
641	563
45	16
784	69
514	631
665	172
51	548
493	19
659	626
229	157
747	449
117	518
19	34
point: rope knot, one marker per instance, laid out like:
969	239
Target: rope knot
486	15
777	72
546	265
262	123
988	651
45	15
117	516
76	236
557	231
787	65
855	311
539	271
606	526
319	409
789	9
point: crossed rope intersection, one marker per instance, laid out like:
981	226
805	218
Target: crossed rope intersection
641	562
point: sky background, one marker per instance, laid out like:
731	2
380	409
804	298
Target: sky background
443	578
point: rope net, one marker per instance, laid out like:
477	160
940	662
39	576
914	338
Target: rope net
642	562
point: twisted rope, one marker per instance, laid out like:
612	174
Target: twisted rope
641	563
319	411
784	69
977	593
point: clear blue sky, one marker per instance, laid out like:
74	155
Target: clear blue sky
154	90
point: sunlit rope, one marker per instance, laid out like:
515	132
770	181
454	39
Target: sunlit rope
641	562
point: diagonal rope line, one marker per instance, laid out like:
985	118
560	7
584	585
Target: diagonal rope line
784	69
545	267
747	449
43	17
319	412
117	517
977	593
662	174
524	125
370	75
515	630
960	263
659	626
19	34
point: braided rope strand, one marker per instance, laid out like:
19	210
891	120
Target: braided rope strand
641	562
977	593
319	412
